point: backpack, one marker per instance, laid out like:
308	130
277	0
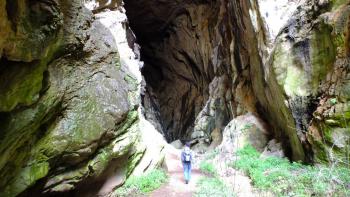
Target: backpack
187	156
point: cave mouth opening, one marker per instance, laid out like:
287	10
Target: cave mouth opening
176	85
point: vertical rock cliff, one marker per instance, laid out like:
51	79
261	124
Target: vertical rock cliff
307	75
69	99
90	90
197	63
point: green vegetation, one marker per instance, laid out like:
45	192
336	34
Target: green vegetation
142	184
212	187
292	179
212	154
207	168
333	101
337	3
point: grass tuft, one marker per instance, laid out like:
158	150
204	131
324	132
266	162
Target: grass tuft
284	178
142	184
208	168
212	187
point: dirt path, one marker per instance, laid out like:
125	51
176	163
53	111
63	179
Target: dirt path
176	185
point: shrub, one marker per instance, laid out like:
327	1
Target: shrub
292	179
142	184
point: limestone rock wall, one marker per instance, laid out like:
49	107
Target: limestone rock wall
197	63
309	63
70	97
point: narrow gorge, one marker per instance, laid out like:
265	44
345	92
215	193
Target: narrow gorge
93	92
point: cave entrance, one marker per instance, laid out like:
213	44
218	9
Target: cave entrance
174	70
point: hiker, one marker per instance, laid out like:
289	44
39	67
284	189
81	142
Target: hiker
186	158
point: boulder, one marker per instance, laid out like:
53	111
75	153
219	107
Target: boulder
177	144
244	130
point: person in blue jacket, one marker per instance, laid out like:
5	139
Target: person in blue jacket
186	159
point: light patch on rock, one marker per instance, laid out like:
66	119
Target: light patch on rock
114	21
276	13
254	18
91	4
340	137
292	85
155	148
290	76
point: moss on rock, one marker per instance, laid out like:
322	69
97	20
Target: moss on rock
23	81
323	54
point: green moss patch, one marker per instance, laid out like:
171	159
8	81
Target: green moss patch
23	81
337	3
323	53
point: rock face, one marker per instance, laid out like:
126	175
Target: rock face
196	55
74	95
70	103
29	29
309	63
206	64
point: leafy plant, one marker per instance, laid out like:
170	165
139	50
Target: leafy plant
292	179
142	184
208	168
212	187
333	101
